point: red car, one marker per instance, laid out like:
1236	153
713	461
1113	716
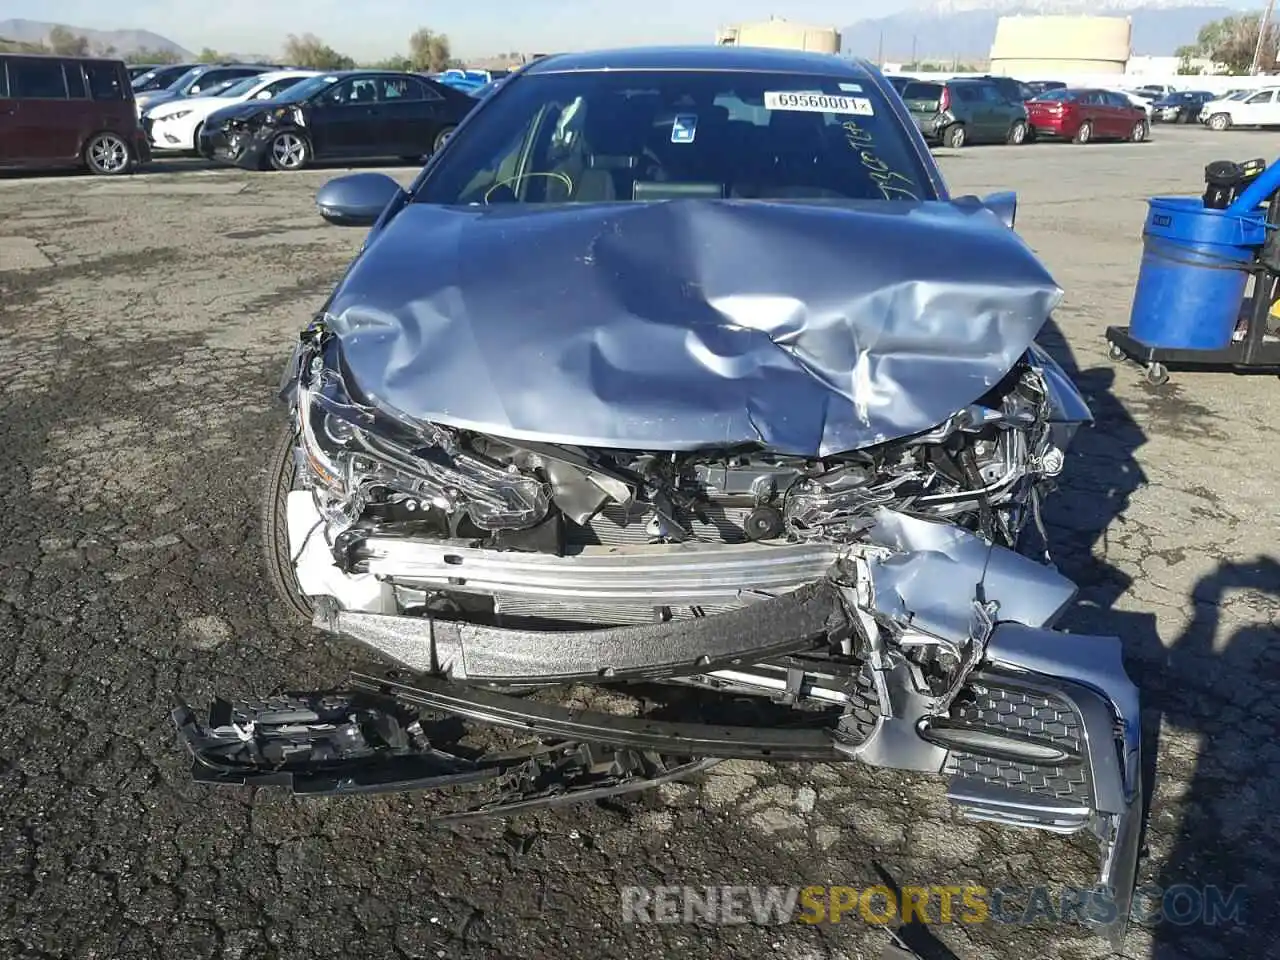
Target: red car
1086	115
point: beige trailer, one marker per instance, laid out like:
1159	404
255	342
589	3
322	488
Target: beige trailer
781	33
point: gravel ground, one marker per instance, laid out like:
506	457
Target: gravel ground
143	323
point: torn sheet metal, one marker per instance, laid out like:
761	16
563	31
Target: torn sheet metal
937	571
811	328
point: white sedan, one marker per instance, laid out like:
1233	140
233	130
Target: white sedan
176	125
1147	103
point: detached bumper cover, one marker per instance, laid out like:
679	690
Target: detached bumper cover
1044	736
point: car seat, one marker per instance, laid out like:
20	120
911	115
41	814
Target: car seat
607	158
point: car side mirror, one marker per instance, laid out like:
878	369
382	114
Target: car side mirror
356	200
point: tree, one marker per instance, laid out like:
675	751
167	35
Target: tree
309	51
1232	41
68	44
17	46
429	51
144	55
398	62
209	55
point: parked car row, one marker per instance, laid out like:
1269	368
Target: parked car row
58	111
101	114
961	111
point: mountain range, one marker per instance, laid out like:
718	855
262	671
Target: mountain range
965	29
124	41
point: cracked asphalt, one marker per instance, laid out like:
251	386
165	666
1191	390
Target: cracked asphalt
143	324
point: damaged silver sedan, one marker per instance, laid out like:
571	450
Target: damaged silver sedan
682	368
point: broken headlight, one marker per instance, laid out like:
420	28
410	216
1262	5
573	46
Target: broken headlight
357	453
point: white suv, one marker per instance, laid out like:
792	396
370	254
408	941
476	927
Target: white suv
1259	109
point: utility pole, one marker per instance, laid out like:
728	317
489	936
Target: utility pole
1263	28
915	61
880	53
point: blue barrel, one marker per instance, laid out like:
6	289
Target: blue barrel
1194	269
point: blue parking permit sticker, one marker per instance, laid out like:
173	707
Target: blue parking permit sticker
684	128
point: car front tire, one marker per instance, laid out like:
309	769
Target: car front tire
955	136
1220	122
282	478
288	150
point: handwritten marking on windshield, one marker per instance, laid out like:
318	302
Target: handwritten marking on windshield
891	184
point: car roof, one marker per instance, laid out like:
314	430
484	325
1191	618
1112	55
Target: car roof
728	58
344	74
60	56
280	74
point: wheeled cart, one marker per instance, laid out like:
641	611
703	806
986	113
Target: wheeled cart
1210	276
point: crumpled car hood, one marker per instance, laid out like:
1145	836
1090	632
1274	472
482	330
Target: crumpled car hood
810	328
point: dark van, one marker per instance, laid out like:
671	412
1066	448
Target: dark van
68	112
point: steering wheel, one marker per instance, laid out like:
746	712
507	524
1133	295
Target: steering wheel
561	177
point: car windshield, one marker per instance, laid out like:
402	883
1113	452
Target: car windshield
622	135
306	89
234	88
156	79
186	80
922	90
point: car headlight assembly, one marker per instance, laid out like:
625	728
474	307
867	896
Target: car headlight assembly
176	116
325	415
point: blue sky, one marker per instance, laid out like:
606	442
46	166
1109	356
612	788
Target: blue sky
365	28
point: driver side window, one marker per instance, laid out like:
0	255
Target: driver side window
351	92
1264	97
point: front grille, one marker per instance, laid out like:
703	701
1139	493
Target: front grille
1026	713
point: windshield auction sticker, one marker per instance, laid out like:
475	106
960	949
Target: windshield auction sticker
818	103
684	128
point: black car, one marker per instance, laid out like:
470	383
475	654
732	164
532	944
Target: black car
1181	107
158	77
346	115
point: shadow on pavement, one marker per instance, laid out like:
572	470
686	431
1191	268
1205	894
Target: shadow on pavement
1215	886
1211	895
